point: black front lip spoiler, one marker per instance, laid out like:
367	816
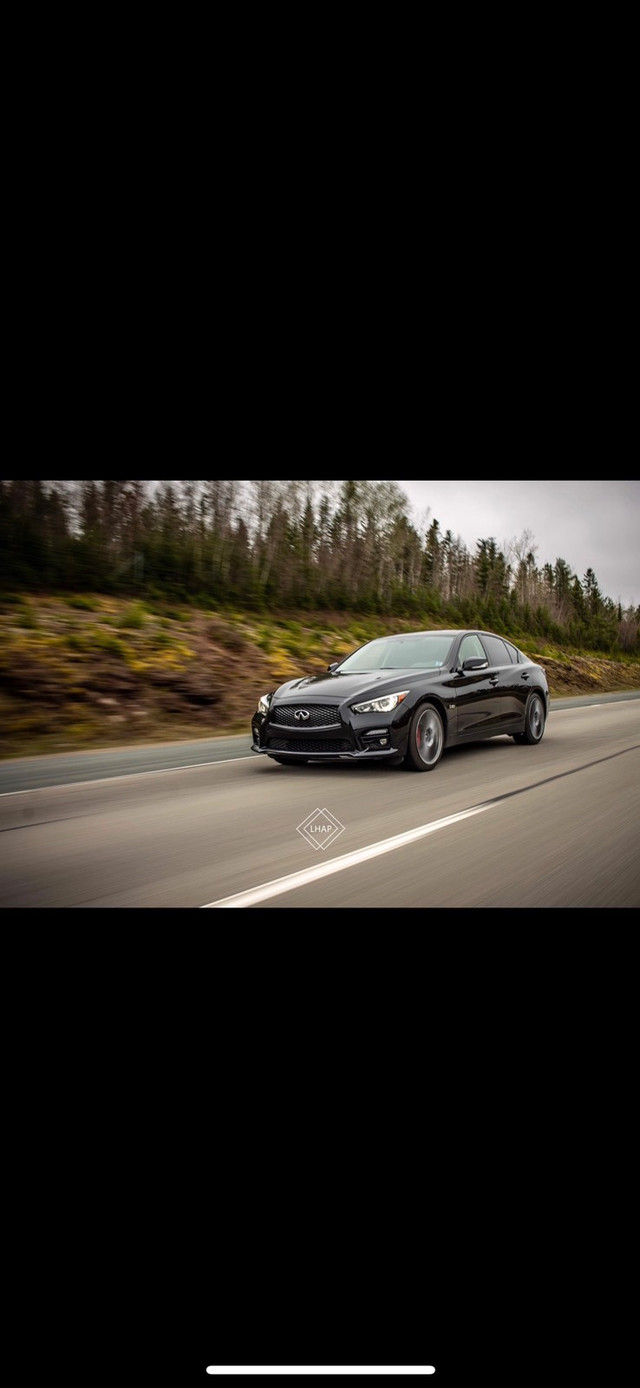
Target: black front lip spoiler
368	755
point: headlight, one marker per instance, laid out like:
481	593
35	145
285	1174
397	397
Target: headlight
263	702
383	705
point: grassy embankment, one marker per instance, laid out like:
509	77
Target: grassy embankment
92	671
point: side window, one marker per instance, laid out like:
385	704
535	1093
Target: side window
496	650
471	649
514	653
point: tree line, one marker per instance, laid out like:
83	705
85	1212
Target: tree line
298	545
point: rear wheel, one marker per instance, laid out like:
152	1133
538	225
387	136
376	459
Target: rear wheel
534	720
426	739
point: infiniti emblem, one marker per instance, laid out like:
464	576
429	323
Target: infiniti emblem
301	713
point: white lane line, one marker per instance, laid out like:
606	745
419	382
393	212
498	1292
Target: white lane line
126	776
326	1369
361	855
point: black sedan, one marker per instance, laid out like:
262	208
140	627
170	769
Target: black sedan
406	699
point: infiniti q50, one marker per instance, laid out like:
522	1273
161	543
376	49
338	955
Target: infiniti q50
406	699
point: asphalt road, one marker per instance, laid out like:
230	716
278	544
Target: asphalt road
209	824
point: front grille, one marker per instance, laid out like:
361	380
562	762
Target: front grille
308	744
320	716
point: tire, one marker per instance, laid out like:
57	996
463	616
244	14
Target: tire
426	739
290	761
534	720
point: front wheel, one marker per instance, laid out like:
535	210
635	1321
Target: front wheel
534	720
426	739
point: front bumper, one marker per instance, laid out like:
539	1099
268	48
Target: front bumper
363	740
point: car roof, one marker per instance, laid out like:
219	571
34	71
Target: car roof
450	632
435	631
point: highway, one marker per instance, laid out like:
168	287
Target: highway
209	824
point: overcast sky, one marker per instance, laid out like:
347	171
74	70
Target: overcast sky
592	525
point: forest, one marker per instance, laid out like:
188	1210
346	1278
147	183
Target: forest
295	546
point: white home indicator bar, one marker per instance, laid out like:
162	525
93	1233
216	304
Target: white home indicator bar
325	1369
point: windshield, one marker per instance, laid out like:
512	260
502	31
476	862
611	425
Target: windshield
427	652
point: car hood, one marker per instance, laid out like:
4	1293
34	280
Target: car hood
315	687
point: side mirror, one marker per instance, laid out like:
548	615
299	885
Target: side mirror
475	663
333	666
